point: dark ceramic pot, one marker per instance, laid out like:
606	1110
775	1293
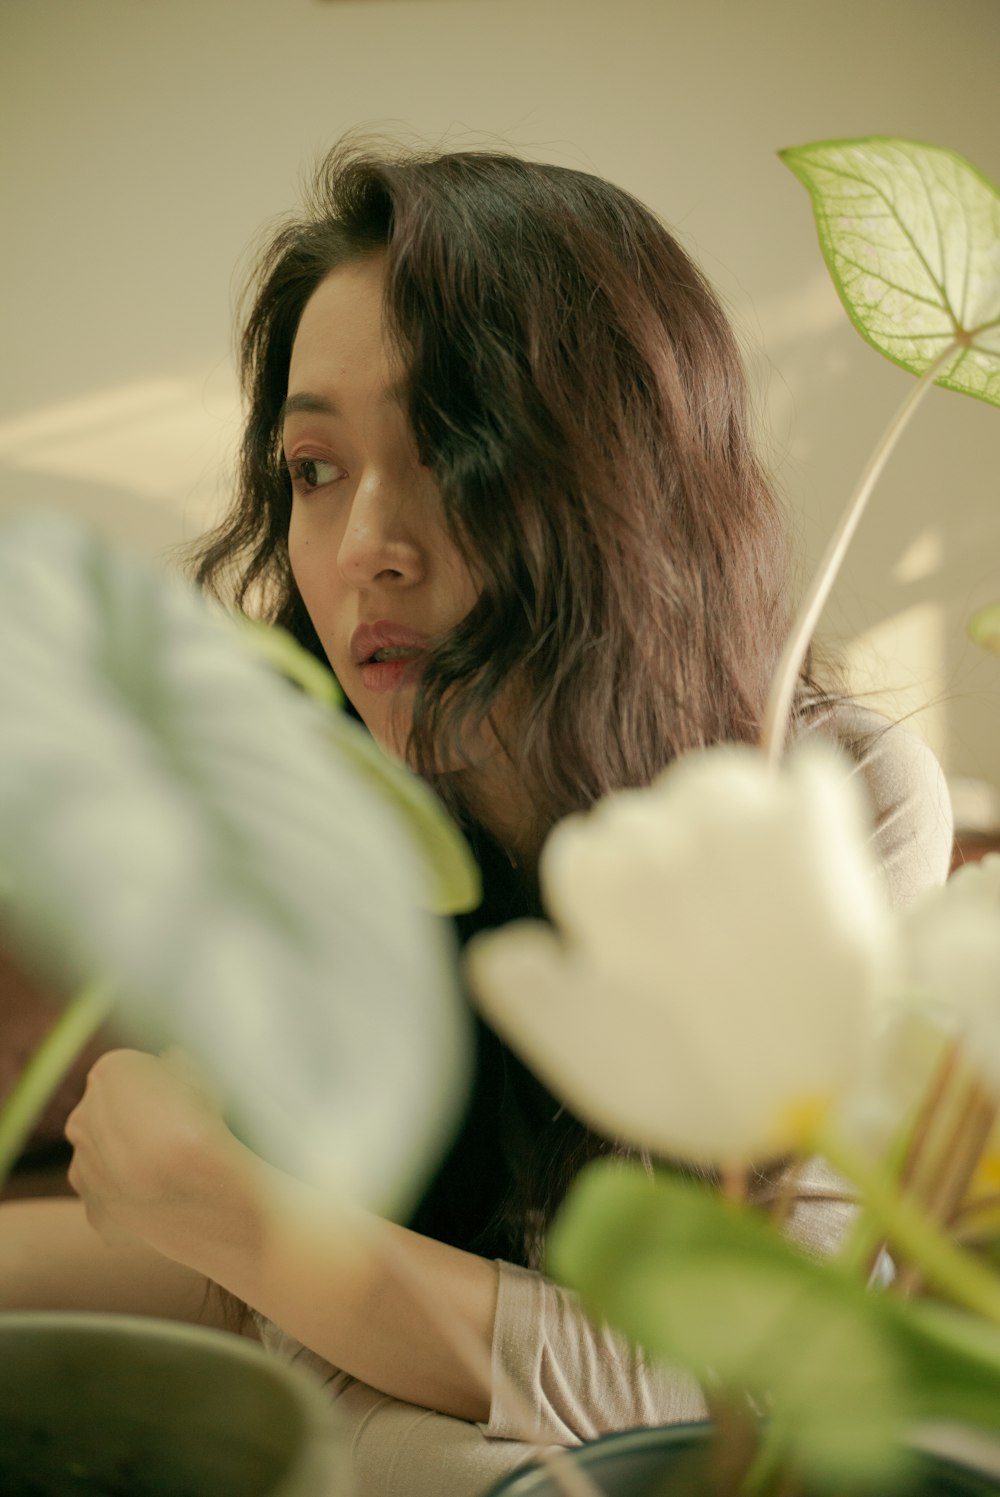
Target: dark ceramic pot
672	1462
120	1406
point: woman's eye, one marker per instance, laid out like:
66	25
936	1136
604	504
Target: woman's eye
313	472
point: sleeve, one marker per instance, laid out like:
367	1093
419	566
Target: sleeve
912	826
578	1379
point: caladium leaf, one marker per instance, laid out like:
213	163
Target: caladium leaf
911	236
283	651
984	627
456	885
173	817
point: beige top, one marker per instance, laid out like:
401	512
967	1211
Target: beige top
579	1380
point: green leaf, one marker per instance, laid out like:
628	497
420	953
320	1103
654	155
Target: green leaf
456	884
46	1068
954	1362
710	1288
984	627
175	820
911	236
281	650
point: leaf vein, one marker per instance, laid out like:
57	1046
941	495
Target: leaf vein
893	285
878	191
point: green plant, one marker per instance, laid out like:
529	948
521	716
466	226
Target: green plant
224	860
142	748
984	627
732	911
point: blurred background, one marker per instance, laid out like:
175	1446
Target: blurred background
147	143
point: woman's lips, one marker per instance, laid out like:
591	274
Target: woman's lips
389	675
404	646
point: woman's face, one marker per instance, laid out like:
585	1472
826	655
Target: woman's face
369	552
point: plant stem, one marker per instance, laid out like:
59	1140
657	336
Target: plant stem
766	1473
973	1208
735	1184
79	1020
944	1266
956	1167
906	1161
734	1444
942	1084
782	693
783	1202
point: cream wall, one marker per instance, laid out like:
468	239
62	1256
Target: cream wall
146	142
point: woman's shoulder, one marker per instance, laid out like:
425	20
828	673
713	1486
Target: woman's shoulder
905	786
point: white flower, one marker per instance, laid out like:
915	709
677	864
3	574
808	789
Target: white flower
895	1079
942	1031
724	939
952	949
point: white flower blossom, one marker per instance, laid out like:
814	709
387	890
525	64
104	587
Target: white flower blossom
894	1080
951	940
722	944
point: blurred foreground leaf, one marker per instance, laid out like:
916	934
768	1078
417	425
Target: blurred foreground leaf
456	884
911	236
173	819
711	1288
984	627
953	1362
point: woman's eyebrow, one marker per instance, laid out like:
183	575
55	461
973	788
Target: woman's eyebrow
306	403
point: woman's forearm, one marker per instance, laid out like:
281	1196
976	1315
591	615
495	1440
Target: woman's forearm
153	1161
332	1285
51	1259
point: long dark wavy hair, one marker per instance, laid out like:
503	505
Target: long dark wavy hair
576	390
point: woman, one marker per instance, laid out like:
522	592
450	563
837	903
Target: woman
497	472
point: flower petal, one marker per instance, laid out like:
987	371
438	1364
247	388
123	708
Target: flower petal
726	939
952	940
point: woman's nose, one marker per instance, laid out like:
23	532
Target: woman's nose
379	543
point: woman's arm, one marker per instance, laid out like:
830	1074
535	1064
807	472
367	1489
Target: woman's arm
52	1259
347	1301
154	1161
155	1164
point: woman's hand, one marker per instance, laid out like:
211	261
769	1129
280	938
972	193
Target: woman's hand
153	1160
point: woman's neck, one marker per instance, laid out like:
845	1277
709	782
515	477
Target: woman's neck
498	800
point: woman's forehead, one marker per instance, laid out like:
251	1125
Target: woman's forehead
341	347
